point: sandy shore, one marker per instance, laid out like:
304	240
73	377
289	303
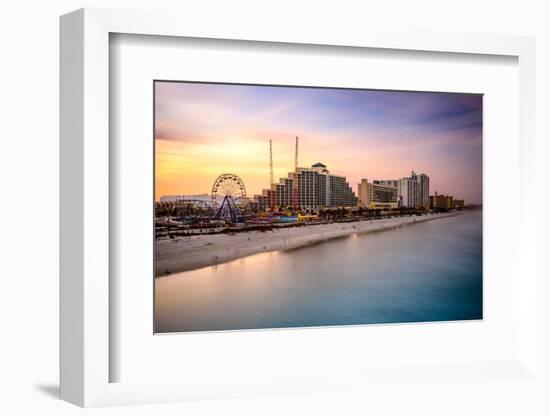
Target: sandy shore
188	253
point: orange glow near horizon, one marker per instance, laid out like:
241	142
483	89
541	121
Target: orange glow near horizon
204	130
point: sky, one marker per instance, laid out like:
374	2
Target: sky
204	130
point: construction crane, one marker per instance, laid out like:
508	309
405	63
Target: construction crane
296	155
271	179
295	179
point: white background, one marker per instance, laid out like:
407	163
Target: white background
29	207
137	60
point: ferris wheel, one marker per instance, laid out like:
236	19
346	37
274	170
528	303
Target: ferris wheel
231	188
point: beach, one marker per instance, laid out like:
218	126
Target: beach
194	252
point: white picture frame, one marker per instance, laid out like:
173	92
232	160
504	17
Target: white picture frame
85	216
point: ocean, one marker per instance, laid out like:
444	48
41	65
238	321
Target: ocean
430	271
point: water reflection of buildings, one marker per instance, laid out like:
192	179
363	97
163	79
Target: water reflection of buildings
308	188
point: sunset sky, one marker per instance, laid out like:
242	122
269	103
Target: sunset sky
204	130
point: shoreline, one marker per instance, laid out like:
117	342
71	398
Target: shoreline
195	252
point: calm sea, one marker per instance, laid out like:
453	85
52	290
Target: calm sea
430	271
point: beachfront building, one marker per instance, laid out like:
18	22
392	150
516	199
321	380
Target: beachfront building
261	202
423	190
387	182
458	203
412	192
417	189
376	195
283	192
442	201
339	193
310	188
408	191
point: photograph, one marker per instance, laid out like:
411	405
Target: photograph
286	206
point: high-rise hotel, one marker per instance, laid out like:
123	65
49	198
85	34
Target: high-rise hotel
423	181
309	188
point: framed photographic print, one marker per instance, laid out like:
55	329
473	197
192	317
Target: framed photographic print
241	243
271	212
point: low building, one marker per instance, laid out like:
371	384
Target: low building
376	195
441	201
261	202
